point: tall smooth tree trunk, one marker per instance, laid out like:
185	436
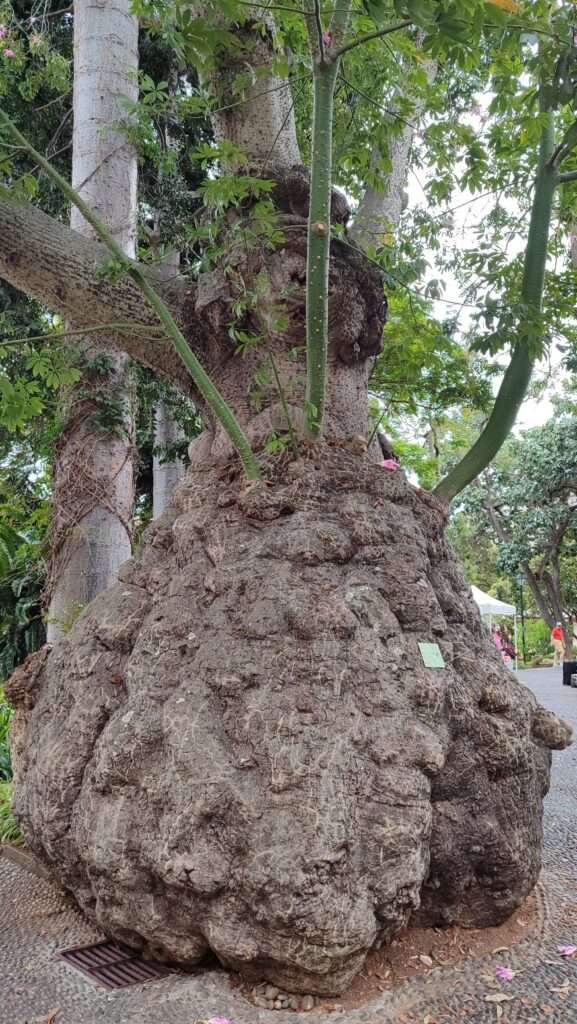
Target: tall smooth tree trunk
165	474
93	471
380	209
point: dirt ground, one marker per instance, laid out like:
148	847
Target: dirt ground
422	950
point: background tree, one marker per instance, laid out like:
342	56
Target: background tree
93	493
37	363
527	503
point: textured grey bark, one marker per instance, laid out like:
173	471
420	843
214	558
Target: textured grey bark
239	748
261	121
380	210
64	275
93	492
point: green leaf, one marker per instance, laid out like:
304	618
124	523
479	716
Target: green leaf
421	12
570	138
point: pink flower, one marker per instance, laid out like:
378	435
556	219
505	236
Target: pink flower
390	464
35	40
567	950
9	53
504	973
3	31
327	38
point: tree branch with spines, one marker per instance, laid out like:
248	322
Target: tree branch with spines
519	371
327	54
202	381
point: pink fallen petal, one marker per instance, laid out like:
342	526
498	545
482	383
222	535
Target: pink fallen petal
219	1020
390	464
567	950
9	53
504	973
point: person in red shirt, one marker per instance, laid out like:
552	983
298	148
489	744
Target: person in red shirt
557	643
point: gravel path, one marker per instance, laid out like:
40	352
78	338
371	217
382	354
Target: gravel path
36	921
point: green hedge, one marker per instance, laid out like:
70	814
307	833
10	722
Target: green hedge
9	828
5	718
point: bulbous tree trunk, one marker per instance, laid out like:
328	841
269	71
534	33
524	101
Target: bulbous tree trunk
238	747
93	491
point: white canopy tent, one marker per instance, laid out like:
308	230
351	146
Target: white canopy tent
491	606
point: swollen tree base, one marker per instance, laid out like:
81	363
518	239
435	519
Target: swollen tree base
238	747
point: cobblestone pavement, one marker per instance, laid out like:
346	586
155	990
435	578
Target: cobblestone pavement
36	921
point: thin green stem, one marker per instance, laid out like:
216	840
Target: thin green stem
319	27
282	396
373	433
209	392
56	334
319	223
377	34
518	374
567	177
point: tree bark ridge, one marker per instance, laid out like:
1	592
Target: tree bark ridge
65	275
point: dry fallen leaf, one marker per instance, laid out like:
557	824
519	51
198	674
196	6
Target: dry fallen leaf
52	1016
547	1009
498	997
561	988
426	960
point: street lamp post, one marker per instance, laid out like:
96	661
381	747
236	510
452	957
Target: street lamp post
520	580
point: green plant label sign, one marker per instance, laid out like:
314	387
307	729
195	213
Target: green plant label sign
431	655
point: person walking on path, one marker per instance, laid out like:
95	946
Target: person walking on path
557	643
497	638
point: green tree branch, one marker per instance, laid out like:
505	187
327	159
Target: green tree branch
377	34
518	374
319	224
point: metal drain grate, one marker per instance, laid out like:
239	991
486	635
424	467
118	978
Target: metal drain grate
112	965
